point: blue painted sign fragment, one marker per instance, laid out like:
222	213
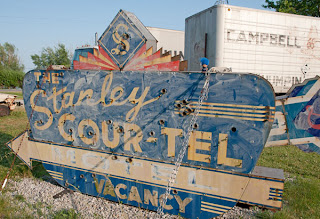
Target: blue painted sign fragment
297	119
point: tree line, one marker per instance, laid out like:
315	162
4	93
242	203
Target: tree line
11	70
301	7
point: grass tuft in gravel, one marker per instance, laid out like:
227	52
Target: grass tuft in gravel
64	213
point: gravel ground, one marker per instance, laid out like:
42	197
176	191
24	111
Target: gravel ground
36	198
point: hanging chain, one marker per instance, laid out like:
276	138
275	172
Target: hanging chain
186	135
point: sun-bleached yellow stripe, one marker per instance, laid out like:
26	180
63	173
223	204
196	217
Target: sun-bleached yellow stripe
238	114
216	212
54	175
214	208
160	60
231	105
103	58
60	178
233	109
92	62
216	205
137	60
230	117
57	175
54	172
51	171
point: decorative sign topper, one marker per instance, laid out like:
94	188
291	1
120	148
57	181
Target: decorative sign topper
122	39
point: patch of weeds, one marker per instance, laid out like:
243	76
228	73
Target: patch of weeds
37	206
20	198
38	171
64	213
97	216
264	214
8	210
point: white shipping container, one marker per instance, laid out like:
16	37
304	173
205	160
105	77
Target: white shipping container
169	40
284	48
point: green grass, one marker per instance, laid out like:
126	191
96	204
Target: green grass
8	210
20	198
10	127
70	214
301	197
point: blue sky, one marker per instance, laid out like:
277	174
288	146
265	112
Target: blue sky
35	24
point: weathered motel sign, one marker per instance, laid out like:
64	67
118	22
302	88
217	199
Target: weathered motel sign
116	134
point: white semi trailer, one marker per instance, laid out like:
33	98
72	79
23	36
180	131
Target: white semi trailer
283	48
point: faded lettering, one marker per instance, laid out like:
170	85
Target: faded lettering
182	203
172	134
196	145
153	198
134	195
258	38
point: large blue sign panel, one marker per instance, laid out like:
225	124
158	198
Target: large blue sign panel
145	114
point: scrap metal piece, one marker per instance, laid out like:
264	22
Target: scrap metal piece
4	110
7	100
65	191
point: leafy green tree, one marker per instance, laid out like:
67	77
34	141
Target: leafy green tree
301	7
49	56
11	70
9	58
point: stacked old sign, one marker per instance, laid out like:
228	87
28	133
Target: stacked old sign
108	129
126	45
297	117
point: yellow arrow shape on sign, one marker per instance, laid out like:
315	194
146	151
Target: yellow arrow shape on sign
211	182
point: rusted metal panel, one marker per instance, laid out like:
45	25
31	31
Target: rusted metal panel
297	117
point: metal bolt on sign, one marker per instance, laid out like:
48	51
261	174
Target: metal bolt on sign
203	96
